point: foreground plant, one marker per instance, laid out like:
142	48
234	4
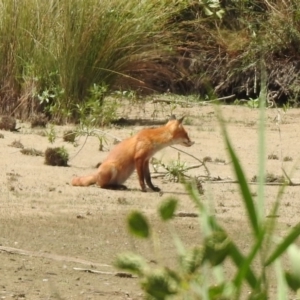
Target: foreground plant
200	271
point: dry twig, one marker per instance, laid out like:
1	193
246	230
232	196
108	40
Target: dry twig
117	274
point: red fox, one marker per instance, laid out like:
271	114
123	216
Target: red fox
134	153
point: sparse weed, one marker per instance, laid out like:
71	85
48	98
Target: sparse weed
252	103
102	140
207	159
51	134
32	152
12	176
269	178
219	160
188	121
175	170
17	144
273	156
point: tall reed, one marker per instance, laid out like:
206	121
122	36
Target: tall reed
52	52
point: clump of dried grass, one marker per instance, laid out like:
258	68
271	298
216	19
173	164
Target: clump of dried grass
56	157
69	136
38	120
32	152
8	123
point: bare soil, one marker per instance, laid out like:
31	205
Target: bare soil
50	230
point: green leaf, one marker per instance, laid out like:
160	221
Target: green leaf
239	260
207	11
138	225
285	243
191	261
161	283
131	262
293	276
293	281
217	247
245	265
294	256
167	208
217	292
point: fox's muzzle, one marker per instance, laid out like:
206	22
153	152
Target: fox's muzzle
188	143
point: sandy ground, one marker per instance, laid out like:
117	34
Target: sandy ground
55	227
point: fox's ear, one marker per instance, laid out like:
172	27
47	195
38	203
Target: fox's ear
181	119
172	117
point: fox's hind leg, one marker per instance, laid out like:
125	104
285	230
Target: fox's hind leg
107	178
120	187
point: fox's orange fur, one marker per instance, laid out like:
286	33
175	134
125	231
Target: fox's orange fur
134	153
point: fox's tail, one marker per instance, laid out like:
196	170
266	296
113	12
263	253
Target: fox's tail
84	180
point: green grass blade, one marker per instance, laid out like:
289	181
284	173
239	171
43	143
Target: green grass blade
261	143
239	260
282	291
247	198
244	266
286	242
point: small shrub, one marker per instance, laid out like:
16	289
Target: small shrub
287	158
175	170
207	159
69	136
38	120
56	157
1	136
8	123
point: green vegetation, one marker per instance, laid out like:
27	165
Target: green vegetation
53	53
64	57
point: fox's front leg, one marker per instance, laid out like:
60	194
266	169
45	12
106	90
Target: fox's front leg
148	177
139	165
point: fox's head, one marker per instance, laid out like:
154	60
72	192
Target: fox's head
179	134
